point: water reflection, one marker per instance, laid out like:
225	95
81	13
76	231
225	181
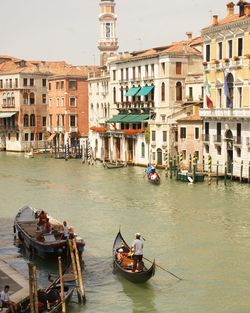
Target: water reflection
141	295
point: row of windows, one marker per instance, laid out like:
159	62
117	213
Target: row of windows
149	71
72	120
229	49
164	135
183	133
60	85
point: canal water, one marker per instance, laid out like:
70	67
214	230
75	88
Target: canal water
199	232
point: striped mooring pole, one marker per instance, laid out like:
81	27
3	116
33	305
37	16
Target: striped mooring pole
89	152
166	162
181	160
209	169
67	150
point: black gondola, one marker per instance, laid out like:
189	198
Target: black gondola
49	299
113	165
123	263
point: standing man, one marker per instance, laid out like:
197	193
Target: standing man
5	299
137	247
65	231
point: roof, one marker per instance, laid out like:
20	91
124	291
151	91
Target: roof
191	118
228	19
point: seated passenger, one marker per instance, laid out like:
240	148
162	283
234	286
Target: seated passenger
42	219
47	227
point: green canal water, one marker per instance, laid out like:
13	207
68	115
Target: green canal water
199	232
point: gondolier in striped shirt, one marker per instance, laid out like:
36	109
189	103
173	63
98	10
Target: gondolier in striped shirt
137	248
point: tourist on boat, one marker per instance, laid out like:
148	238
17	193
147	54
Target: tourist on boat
65	231
47	227
5	299
137	248
149	169
42	219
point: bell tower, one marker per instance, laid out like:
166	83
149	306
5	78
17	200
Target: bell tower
108	43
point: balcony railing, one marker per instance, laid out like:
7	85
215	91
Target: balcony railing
237	140
225	112
8	127
59	129
206	137
217	138
73	129
8	105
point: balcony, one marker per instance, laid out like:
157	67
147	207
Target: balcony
59	129
206	137
124	81
8	105
73	129
217	139
225	113
237	141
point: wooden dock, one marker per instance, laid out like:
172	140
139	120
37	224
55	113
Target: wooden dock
19	286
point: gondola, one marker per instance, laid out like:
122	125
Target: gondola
39	243
113	165
49	299
123	263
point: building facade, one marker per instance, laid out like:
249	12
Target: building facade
227	72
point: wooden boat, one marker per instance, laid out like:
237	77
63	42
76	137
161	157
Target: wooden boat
113	165
123	263
37	242
49	299
154	178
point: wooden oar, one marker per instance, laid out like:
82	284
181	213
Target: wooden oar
163	269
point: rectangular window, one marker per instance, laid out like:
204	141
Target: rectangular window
49	86
197	133
25	82
139	72
10	83
44	99
206	128
57	102
114	74
238	129
164	136
178	67
72	121
153	135
50	120
239	96
183	133
219	50
240	47
127	76
1	83
16	82
62	116
230	49
57	85
62	102
190	93
57	120
17	136
44	82
44	120
219	97
62	84
208	53
72	85
133	71
32	136
122	74
72	101
26	137
40	136
146	71
31	81
163	68
152	70
218	129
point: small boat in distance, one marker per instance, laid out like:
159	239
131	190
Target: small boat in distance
36	240
113	165
153	176
123	262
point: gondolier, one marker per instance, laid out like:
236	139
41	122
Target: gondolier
137	248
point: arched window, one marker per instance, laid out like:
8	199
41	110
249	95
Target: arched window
13	98
26	120
114	95
121	94
230	84
25	98
97	110
32	120
178	91
32	98
108	110
4	99
92	111
8	98
163	92
126	92
143	150
105	111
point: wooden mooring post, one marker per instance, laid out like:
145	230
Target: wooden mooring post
171	167
209	169
217	172
33	289
61	284
249	173
241	171
225	174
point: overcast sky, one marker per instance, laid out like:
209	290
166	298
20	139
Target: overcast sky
69	29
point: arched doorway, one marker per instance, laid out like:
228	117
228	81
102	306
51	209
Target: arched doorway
229	141
159	156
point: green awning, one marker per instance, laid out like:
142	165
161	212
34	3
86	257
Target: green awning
145	91
135	118
132	91
6	114
116	118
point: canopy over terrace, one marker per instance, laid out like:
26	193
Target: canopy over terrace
129	118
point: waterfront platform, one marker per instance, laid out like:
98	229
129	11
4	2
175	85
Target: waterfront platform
19	286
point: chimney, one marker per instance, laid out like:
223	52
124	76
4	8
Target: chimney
189	35
230	8
247	9
215	20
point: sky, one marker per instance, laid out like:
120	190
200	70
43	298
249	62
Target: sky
68	30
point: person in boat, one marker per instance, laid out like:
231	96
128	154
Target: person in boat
153	174
137	248
149	169
65	231
42	219
5	299
47	227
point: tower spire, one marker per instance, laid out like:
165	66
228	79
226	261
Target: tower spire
108	42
